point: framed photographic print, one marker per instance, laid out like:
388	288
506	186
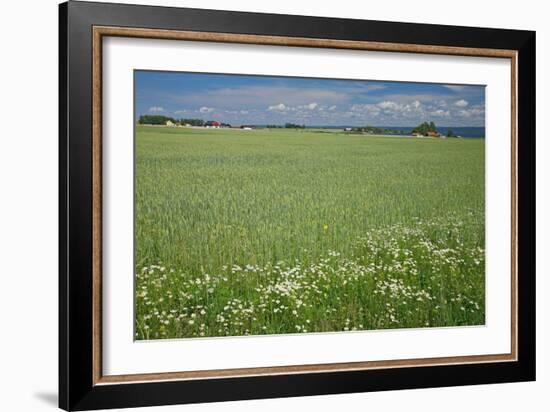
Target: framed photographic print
257	205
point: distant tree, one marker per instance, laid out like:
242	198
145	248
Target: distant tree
294	126
424	128
155	119
450	133
376	130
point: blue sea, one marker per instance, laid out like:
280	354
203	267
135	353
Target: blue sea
459	131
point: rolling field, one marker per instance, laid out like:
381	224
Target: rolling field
291	231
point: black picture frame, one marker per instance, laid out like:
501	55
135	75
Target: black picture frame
77	390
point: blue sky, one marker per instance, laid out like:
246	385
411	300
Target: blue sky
245	99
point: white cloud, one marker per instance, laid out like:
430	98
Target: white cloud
472	112
461	103
365	108
391	108
205	109
156	109
441	113
331	108
388	104
309	106
278	107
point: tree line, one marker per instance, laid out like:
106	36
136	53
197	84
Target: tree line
285	126
157	119
376	130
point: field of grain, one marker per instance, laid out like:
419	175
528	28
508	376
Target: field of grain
243	232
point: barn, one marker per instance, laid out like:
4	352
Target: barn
212	124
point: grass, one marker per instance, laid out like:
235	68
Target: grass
286	231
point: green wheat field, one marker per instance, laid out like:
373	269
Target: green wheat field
275	231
